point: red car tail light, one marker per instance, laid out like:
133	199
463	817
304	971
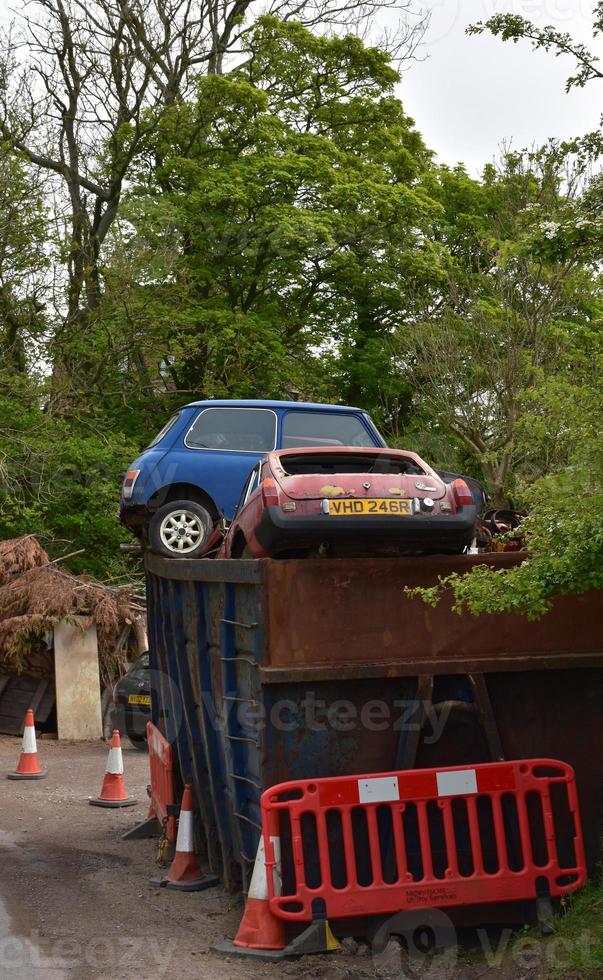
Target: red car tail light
461	493
269	493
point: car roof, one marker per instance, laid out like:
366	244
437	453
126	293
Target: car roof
261	403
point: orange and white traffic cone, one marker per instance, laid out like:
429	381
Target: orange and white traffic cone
261	934
28	766
113	792
259	928
185	874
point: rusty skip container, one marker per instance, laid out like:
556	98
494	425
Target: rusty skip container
266	671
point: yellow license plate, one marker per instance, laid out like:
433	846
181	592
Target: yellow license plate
139	699
376	505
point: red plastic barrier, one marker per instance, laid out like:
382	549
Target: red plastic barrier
425	838
163	802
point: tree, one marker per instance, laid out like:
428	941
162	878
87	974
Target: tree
24	261
523	249
82	85
558	434
564	528
59	478
588	68
261	209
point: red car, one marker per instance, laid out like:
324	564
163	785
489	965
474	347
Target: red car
349	502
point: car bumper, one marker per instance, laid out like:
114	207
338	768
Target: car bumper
278	531
132	515
131	719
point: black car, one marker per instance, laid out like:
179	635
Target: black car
132	702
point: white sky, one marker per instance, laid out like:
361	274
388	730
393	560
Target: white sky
471	93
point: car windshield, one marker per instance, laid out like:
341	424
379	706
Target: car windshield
250	485
307	463
251	430
163	432
324	429
141	667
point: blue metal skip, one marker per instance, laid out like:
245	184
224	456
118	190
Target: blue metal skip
266	671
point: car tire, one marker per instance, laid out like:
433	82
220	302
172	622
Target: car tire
180	529
139	742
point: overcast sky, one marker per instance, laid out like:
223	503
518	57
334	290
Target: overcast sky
468	94
473	92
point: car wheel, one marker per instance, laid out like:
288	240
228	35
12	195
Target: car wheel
139	742
180	529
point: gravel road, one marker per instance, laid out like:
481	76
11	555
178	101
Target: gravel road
75	900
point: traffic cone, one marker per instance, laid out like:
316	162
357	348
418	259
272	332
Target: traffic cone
185	874
113	792
261	935
259	928
28	766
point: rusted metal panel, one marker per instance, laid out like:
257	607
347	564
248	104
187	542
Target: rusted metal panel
411	668
206	570
356	611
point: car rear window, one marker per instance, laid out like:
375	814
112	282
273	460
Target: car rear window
251	430
348	463
163	432
323	429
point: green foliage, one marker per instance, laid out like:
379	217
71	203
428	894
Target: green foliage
271	232
24	246
575	950
579	934
59	479
565	539
564	529
549	441
523	248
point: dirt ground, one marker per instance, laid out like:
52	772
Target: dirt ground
78	905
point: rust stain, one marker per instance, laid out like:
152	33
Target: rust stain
331	491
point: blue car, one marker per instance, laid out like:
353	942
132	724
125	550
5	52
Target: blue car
192	474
